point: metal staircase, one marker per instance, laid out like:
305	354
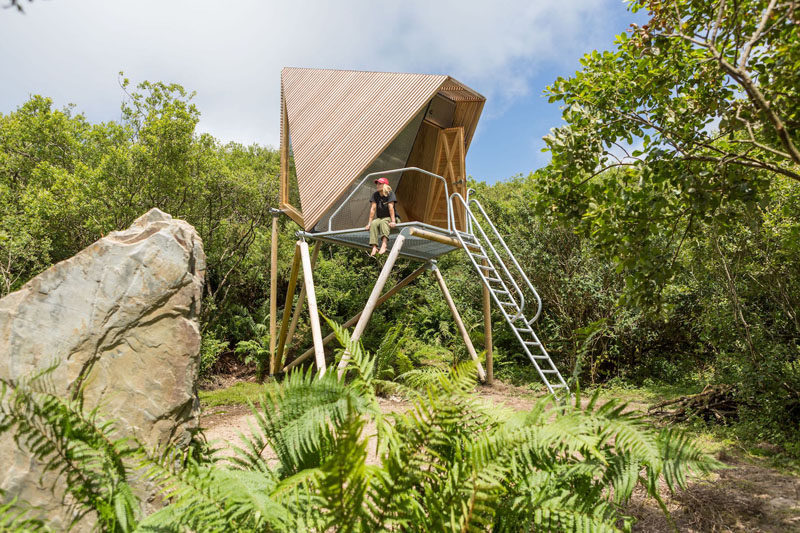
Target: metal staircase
506	292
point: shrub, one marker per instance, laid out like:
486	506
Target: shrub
210	349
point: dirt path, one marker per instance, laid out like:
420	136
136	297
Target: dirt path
745	497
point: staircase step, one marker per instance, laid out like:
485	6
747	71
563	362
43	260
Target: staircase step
494	280
532	343
553	371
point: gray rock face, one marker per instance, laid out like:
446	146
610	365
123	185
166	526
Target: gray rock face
120	317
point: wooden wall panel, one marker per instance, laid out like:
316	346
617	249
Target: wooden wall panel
414	188
467	115
442	152
448	163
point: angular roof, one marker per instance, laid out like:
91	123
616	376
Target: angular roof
340	121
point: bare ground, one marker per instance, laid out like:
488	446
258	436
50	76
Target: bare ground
745	497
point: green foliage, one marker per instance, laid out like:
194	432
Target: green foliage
65	182
675	166
691	116
450	463
77	449
241	393
256	350
14	519
210	349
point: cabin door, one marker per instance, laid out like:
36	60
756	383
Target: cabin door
448	163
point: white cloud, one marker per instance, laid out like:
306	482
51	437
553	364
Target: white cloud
231	52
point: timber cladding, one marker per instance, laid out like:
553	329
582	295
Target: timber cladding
338	122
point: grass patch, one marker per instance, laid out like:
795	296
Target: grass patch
648	394
239	394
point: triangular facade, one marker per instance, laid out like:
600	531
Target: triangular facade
338	122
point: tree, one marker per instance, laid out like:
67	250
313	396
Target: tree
65	182
694	112
679	161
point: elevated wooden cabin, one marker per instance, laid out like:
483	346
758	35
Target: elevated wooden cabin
342	125
346	127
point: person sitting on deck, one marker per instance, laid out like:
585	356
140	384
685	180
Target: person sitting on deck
381	215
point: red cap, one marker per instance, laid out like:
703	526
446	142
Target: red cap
384	181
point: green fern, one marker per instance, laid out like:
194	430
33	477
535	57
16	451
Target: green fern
256	349
211	497
78	449
15	518
450	463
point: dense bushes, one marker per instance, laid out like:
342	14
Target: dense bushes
678	163
725	312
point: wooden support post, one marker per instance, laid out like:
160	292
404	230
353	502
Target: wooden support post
311	295
273	292
391	292
487	333
301	300
436	237
372	302
457	317
287	309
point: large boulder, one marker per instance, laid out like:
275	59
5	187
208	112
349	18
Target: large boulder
120	319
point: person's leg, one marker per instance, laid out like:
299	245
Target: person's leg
374	229
384	232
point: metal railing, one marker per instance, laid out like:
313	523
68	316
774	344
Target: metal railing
474	222
394	171
470	192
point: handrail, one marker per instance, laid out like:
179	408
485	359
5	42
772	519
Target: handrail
472	217
395	171
470	192
494	251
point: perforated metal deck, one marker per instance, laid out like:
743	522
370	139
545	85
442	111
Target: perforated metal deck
414	247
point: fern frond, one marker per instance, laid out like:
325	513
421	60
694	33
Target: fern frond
298	418
15	518
344	478
422	377
212	497
78	449
681	457
363	366
387	351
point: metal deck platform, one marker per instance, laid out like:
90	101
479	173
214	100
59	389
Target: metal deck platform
415	247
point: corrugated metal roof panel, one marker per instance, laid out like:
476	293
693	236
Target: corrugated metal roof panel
340	121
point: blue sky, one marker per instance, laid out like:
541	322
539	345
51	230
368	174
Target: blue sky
231	53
